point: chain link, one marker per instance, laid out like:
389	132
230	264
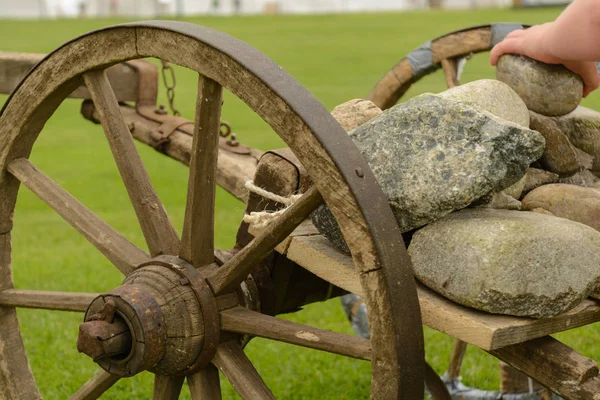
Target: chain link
170	85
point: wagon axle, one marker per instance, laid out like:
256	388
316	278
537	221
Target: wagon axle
164	318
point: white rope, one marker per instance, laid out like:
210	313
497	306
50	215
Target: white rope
262	219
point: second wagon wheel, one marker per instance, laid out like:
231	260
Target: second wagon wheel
165	316
446	52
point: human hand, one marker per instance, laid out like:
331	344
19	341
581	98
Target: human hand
530	42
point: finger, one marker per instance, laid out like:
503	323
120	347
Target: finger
507	46
515	34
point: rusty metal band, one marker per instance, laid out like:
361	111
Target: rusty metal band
421	61
207	302
499	32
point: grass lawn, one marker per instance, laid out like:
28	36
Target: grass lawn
337	58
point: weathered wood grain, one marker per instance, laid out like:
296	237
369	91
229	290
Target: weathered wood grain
244	378
118	250
235	270
95	387
244	321
556	366
461	43
152	216
14	67
233	170
40	299
316	254
197	241
204	384
456	359
16	378
167	387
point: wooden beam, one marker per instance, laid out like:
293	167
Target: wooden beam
14	66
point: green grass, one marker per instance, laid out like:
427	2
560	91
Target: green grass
337	58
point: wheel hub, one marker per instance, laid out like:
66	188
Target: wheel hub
163	318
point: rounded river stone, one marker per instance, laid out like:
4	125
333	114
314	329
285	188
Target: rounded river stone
550	90
508	262
581	204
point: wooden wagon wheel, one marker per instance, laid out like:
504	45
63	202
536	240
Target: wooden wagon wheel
442	52
137	318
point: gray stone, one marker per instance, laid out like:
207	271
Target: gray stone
433	155
535	177
583	178
493	96
502	201
546	89
508	262
560	155
572	202
515	190
354	113
584	159
582	127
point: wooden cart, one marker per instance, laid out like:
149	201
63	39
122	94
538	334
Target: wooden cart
185	308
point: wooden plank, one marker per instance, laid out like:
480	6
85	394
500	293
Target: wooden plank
244	378
116	248
306	228
197	241
488	331
204	384
95	387
235	270
456	359
14	67
152	216
245	321
322	259
233	170
45	300
564	371
167	387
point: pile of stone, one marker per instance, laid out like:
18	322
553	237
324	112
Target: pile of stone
500	205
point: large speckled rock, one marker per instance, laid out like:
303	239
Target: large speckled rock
559	155
433	155
572	202
582	127
508	262
493	96
546	89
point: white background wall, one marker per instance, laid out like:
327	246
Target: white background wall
150	8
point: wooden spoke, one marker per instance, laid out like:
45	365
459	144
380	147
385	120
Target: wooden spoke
456	359
39	299
235	270
118	250
95	387
154	221
167	387
204	384
450	67
197	241
245	321
238	369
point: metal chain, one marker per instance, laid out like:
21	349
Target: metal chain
170	85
